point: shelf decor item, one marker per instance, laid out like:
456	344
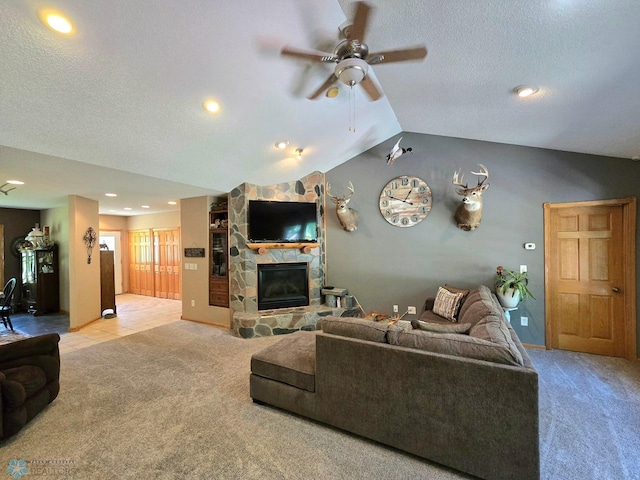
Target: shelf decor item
511	287
89	239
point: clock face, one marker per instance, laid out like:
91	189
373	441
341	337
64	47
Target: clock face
405	201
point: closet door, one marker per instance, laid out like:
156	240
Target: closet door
167	263
140	262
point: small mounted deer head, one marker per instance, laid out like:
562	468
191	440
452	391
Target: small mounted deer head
348	217
469	213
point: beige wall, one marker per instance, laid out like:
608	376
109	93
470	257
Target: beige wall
58	221
157	220
84	278
195	283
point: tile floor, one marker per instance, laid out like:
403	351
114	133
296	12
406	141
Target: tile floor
136	313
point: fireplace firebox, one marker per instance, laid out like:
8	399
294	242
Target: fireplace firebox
283	285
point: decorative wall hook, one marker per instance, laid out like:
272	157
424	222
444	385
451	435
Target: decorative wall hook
89	238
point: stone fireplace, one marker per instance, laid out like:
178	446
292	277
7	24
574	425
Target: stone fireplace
250	319
244	261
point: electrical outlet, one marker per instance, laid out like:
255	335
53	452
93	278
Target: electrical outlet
523	268
395	309
524	321
411	310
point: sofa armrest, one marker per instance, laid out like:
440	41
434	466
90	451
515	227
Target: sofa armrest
41	351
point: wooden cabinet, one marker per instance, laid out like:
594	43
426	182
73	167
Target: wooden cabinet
40	281
219	255
107	282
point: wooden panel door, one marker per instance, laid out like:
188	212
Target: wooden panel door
140	262
167	266
586	281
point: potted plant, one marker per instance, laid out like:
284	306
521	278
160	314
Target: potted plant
511	287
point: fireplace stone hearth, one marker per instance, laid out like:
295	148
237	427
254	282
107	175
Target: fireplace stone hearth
285	320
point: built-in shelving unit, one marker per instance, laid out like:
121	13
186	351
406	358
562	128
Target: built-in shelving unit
219	253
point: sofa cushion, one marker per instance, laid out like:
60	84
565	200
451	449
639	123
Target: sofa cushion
453	289
454	344
356	328
291	360
478	305
493	329
447	304
441	327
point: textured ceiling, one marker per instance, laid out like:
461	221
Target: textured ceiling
117	106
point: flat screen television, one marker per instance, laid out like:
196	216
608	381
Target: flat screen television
281	222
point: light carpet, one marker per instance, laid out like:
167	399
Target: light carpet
173	403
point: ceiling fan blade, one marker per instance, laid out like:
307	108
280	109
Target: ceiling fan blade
360	20
371	88
415	53
330	81
314	55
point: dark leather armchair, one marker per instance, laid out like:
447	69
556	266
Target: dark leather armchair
29	380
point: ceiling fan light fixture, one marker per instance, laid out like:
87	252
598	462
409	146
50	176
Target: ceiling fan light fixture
299	153
524	91
282	144
351	71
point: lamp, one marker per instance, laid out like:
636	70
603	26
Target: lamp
35	236
299	153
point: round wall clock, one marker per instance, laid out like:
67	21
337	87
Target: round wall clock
405	201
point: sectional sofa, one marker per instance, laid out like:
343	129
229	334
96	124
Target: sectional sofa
457	399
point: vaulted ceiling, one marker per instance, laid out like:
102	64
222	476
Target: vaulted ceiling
117	105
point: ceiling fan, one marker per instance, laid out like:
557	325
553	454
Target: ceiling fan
352	58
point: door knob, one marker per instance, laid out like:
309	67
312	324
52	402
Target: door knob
615	290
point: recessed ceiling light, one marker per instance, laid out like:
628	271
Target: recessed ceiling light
128	208
110	194
15	182
145	206
211	106
56	21
282	144
525	91
172	202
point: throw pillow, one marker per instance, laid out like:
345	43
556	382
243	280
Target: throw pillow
447	304
441	327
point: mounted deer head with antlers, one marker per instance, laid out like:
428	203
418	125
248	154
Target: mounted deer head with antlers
348	217
469	213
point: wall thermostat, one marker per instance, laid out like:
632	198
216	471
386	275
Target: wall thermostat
530	246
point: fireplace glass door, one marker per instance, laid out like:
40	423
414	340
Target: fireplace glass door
283	285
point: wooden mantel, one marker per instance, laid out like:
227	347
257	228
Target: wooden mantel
262	248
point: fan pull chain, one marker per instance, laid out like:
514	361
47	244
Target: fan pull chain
352	110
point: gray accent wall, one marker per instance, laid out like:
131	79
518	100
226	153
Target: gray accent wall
383	265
